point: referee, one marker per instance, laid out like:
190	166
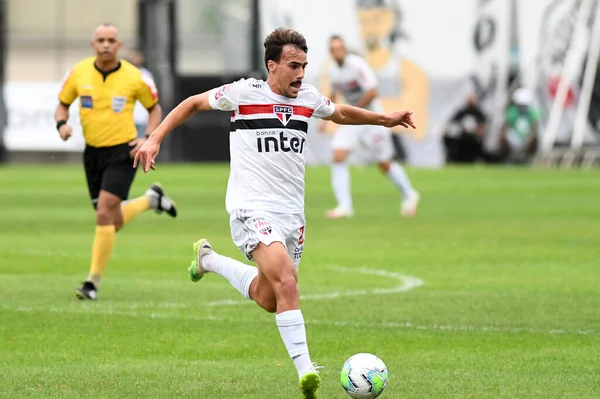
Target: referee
108	89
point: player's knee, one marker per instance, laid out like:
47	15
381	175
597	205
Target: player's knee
340	156
385	166
104	216
108	215
287	286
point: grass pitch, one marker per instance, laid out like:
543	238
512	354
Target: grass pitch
509	261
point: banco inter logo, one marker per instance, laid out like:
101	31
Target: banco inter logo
272	142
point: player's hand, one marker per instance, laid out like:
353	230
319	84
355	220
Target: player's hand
65	132
136	144
146	155
400	118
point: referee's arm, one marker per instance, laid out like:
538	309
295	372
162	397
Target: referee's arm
61	116
154	117
67	95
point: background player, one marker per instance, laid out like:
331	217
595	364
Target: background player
108	89
265	192
352	77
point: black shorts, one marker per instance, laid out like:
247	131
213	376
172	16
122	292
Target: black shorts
109	169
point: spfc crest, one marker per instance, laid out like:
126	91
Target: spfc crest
283	112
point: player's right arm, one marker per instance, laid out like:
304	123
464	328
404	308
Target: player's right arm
224	98
67	95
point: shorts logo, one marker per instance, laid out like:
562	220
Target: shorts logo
298	253
86	102
263	226
283	113
118	103
301	238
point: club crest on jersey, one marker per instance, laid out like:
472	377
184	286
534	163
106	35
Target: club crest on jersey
284	113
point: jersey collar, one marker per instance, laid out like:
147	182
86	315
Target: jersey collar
106	73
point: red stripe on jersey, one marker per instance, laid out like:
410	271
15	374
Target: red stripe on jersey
268	109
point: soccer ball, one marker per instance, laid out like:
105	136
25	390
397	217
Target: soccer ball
364	376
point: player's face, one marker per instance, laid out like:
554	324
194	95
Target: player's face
106	43
289	71
338	50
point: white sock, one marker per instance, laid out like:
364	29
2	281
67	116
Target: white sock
239	274
398	176
292	330
340	180
152	199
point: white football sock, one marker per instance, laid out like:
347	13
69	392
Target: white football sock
340	180
292	330
239	274
398	176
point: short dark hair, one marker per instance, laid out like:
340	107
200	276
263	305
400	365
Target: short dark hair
277	39
336	37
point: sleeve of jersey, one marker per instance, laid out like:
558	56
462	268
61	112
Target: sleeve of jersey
324	108
147	93
226	97
366	77
68	91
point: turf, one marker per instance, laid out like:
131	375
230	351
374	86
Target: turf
509	261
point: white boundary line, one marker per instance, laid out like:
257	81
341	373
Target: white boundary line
406	283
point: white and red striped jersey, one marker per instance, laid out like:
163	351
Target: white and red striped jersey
353	79
267	143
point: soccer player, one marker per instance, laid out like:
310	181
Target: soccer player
265	192
352	77
108	88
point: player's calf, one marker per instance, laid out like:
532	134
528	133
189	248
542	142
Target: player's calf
262	293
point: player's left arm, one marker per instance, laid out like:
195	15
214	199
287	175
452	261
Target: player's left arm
350	115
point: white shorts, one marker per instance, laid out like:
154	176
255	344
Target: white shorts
377	140
250	227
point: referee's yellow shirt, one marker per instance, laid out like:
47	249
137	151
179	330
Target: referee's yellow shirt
107	100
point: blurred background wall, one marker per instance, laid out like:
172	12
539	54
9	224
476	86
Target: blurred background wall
487	49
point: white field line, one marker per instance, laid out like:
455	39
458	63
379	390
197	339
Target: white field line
405	283
83	308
